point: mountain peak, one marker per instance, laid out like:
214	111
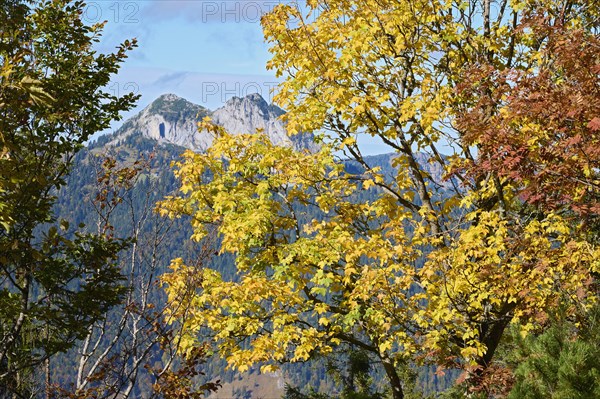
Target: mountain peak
168	97
172	119
253	98
170	105
247	114
251	103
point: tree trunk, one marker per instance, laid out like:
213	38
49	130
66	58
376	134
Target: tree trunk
393	377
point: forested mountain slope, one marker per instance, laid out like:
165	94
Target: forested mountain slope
99	194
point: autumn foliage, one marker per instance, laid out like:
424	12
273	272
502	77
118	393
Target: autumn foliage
545	133
411	266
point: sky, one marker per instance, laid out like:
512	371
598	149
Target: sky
205	51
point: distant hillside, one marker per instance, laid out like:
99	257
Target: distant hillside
158	135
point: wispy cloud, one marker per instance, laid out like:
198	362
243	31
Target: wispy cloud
170	80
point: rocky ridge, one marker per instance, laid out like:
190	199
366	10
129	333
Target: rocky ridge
174	120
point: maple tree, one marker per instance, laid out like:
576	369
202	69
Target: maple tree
411	265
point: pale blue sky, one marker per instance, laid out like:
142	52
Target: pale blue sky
203	50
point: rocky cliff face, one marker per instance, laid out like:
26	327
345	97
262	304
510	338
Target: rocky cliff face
172	119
